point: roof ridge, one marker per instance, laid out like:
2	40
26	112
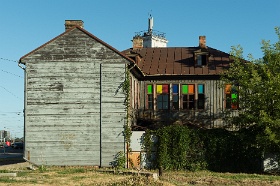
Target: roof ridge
86	32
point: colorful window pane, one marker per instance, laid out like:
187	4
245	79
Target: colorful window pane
165	89
185	89
159	89
149	97
191	89
201	89
150	89
175	89
231	97
188	96
162	89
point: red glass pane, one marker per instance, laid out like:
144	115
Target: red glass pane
165	89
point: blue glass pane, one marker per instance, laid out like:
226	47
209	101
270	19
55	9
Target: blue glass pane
175	89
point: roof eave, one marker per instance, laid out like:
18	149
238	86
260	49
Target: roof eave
86	32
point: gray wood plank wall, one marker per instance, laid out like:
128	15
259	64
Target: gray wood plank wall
66	80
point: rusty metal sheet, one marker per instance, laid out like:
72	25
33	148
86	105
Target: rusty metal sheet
180	60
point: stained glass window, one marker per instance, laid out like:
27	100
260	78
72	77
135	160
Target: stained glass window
231	97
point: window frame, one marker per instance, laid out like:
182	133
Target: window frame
175	93
198	94
201	56
188	101
231	95
149	94
165	95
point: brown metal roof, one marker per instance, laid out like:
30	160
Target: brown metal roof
178	61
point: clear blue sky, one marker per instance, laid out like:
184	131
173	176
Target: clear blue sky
25	25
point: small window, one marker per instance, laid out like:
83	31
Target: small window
201	60
175	97
201	96
162	97
150	100
231	94
188	97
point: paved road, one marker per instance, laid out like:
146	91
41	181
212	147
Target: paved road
10	156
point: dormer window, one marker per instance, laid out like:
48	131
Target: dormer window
201	60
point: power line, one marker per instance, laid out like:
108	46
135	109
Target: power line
9	60
11	73
10	92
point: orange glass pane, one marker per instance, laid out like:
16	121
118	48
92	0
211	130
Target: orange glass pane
228	89
191	89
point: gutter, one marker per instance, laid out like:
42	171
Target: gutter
21	66
24	108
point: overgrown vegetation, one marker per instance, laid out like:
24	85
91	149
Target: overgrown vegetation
181	148
120	160
126	91
258	86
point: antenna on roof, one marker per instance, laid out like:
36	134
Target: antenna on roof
151	24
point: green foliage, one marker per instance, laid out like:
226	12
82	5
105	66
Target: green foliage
120	160
181	148
126	90
228	151
176	148
259	92
42	168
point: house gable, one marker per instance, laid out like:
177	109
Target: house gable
75	43
74	105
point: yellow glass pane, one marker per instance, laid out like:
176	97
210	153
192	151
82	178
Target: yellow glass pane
159	89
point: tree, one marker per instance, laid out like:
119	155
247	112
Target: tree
257	82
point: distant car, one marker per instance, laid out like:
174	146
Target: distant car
18	145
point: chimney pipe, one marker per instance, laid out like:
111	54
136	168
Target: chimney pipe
202	42
137	42
71	23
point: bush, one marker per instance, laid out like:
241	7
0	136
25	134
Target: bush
182	148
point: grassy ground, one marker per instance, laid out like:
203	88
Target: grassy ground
82	176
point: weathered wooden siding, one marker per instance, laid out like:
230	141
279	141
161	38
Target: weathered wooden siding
112	112
210	117
72	110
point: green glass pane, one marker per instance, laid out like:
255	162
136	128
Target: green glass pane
234	96
150	89
184	89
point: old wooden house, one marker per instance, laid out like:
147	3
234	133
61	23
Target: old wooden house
178	84
74	102
75	107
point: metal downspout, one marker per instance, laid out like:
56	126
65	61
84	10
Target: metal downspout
24	114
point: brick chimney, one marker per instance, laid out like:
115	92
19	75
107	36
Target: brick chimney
137	42
71	23
202	42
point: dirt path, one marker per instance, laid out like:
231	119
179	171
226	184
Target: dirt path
15	166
